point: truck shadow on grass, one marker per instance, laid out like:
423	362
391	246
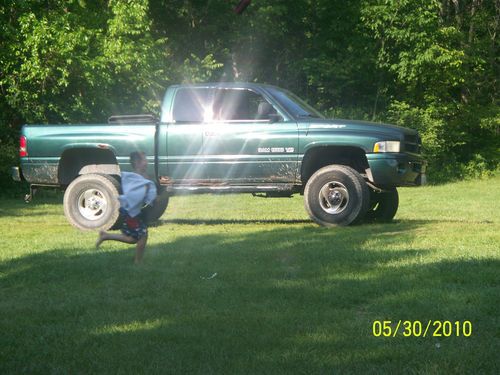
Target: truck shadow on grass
287	300
406	222
18	208
162	222
440	221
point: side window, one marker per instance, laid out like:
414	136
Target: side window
240	105
190	104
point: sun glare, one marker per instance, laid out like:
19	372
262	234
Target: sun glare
208	113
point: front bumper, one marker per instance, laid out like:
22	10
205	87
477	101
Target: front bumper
397	169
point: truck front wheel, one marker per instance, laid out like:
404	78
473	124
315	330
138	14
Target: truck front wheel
384	206
336	195
91	202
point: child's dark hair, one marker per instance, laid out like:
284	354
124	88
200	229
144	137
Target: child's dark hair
136	156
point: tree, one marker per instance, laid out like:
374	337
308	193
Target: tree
442	77
428	64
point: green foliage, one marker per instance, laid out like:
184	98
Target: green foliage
196	70
480	167
430	65
7	159
70	61
425	121
439	56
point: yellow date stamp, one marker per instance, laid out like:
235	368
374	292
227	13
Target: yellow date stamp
417	328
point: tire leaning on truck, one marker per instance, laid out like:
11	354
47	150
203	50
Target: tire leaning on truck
336	195
91	202
154	212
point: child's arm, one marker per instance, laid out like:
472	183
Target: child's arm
150	194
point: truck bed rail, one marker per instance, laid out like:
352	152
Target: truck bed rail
132	119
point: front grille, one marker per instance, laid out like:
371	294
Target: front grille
413	144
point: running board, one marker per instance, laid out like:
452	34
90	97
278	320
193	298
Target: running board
231	189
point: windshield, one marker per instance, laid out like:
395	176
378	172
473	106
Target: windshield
293	104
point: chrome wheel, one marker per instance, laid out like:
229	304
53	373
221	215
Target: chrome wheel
336	195
92	204
333	197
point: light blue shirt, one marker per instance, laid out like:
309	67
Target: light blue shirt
137	191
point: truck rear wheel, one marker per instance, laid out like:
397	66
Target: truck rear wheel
91	202
336	195
384	206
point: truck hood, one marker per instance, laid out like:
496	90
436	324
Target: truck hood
375	128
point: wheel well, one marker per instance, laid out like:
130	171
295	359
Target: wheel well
320	157
79	161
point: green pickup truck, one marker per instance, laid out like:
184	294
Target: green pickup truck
228	138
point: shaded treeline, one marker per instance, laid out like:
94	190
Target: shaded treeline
426	64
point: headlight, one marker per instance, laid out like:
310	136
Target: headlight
387	146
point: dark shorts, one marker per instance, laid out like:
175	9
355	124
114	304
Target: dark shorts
133	226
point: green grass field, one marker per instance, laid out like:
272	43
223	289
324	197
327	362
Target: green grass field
288	296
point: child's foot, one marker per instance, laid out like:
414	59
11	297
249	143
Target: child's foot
100	239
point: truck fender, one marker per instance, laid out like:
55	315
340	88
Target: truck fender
113	169
86	159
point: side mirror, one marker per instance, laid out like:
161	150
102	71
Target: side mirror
274	117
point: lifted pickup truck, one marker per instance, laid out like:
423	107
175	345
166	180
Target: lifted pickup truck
228	138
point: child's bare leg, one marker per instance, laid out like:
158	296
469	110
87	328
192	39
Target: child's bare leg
105	236
139	250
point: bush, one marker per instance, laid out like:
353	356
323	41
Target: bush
8	158
450	141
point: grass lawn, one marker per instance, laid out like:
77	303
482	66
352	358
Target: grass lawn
288	296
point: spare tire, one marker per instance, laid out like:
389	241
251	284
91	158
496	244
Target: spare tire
154	212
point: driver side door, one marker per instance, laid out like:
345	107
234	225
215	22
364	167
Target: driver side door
243	142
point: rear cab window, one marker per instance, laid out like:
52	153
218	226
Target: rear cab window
190	104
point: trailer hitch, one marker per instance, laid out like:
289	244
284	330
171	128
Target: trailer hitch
29	197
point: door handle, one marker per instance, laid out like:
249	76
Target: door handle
210	134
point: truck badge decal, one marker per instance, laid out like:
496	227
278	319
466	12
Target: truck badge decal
275	150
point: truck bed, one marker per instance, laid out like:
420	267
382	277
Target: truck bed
47	144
